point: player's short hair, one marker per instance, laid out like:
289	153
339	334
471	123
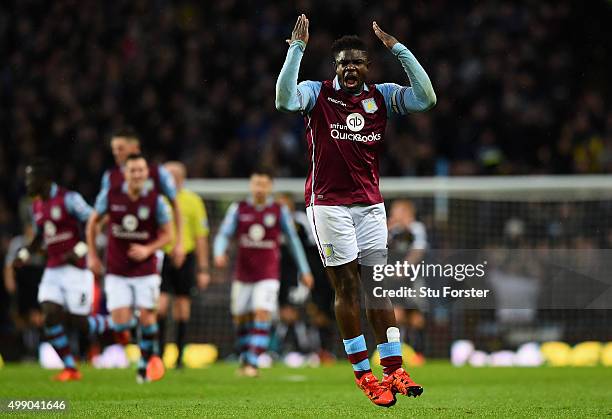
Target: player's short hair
286	194
127	132
43	167
135	156
348	42
263	171
406	203
178	164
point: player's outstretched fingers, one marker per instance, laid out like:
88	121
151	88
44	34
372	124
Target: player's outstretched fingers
379	32
386	39
297	22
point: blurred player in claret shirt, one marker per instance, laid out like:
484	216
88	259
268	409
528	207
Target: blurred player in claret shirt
181	280
138	226
257	222
125	142
66	289
345	122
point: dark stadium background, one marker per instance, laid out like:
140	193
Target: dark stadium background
523	88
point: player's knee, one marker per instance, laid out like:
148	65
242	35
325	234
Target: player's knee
182	308
162	308
288	314
36	318
241	319
347	288
147	317
262	316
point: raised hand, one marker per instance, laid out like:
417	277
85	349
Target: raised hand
386	39
300	31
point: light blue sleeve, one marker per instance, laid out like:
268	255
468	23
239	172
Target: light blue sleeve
101	205
291	96
226	231
32	220
294	241
76	205
163	212
166	182
105	184
403	100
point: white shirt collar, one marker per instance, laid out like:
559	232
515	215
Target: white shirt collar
251	202
53	190
143	192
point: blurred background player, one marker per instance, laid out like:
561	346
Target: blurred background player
124	143
309	330
22	284
66	289
179	280
291	332
345	125
258	223
408	242
138	226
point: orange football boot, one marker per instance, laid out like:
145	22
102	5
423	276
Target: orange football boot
155	368
400	382
377	393
68	374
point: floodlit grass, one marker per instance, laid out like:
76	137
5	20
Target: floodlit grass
320	392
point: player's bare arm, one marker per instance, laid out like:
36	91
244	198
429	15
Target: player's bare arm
91	232
10	283
178	252
202	251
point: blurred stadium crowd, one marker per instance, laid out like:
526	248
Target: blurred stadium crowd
522	87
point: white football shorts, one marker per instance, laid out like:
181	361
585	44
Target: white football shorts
345	233
134	292
68	286
247	297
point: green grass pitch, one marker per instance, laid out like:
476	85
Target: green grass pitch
320	392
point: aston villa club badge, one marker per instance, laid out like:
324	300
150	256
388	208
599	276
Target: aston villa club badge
269	220
56	212
149	185
143	213
369	105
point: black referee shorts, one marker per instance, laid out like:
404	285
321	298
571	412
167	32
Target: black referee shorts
179	281
28	279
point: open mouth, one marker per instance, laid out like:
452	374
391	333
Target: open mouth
351	80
